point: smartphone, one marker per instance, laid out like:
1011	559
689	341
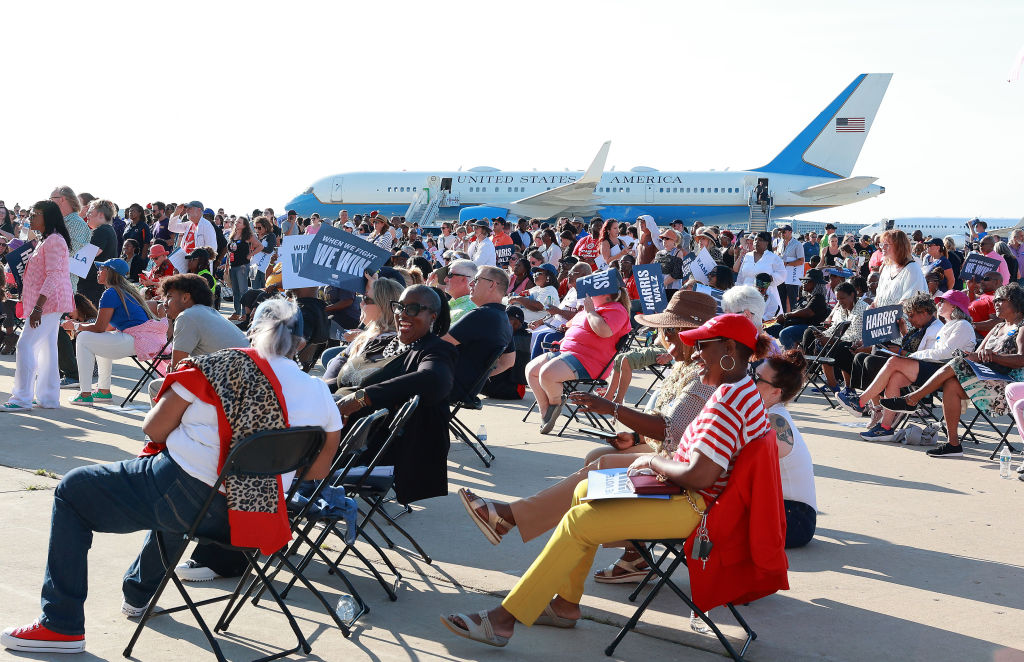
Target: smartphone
597	432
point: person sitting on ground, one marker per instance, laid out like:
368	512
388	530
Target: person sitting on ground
541	296
511	384
1002	351
678	401
584	352
124	326
849	310
423	365
84	313
460	273
162	268
789	327
364	354
482	333
701	466
165	491
917	367
131	253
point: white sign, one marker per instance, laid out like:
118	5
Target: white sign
82	260
291	254
262	261
178	261
702	266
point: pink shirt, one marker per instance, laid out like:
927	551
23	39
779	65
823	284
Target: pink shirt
593	351
311	229
47	273
1004	271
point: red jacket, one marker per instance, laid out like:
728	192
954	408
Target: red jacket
747	527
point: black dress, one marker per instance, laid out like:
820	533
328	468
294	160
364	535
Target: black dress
420	456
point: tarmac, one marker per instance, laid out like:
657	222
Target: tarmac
914	558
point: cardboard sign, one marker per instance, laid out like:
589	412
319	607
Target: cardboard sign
977	265
81	261
340	258
984	372
700	265
17	258
601	282
502	254
651	286
291	255
178	261
881	324
712	292
262	261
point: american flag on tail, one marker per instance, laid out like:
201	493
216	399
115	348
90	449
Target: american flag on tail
849	125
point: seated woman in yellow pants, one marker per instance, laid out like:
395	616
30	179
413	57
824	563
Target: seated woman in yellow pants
702	464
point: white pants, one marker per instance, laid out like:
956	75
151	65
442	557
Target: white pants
36	364
101	349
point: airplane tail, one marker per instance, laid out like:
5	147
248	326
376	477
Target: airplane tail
830	144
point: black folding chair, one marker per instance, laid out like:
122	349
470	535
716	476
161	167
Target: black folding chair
817	363
571	411
676	556
267	453
658	370
1002	435
149	369
462	431
306	519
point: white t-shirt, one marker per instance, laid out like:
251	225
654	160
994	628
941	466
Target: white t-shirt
547	296
195	444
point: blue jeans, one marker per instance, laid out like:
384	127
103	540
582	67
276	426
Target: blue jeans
142	494
791	335
538	337
239	286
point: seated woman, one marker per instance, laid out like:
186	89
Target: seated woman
162	268
586	349
124	326
84	313
789	327
848	309
701	465
164	491
519	280
424	366
541	296
363	355
917	367
1002	351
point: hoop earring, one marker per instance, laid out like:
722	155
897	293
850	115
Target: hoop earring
721	363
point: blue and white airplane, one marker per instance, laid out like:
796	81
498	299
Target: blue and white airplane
813	172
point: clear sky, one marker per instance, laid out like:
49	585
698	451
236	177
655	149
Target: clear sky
245	104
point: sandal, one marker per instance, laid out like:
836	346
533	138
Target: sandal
489	526
482	632
634	573
549	617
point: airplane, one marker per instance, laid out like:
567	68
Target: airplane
812	173
938	226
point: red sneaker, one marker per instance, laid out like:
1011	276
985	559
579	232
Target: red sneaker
37	638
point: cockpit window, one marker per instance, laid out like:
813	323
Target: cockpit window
308	191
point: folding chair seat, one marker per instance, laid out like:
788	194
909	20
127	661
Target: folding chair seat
571	411
753	494
267	453
817	363
471	400
149	369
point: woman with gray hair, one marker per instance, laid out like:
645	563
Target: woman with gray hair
205	408
745	300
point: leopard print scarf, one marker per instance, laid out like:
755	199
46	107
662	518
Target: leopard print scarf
250	405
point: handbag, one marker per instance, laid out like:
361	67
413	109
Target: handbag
649	484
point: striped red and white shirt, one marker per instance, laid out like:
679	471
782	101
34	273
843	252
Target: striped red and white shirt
733	418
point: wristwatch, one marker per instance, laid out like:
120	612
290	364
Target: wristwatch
360	397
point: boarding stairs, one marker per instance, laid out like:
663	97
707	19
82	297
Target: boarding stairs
758	219
424	207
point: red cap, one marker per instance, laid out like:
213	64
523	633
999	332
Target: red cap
734	326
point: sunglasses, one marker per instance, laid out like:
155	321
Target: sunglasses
409	309
478	279
699	344
367	301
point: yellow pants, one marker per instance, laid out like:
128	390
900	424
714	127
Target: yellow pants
563	566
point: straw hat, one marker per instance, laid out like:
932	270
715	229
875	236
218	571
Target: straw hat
686	310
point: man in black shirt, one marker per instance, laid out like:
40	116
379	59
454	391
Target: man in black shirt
790	327
482	332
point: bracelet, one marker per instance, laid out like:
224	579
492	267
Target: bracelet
615	412
38	309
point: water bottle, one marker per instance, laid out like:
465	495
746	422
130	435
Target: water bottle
1004	463
481	433
1020	467
346	609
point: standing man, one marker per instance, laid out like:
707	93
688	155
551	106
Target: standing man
481	251
588	248
684	236
829	231
290	225
197	231
77	228
503	245
160	227
792	253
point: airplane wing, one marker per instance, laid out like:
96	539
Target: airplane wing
837	187
577	197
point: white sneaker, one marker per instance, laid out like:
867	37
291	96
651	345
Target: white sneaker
190	571
130	611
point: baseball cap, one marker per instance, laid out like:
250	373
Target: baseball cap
208	212
292	212
198	253
195	203
733	326
815	275
117	264
549	268
516	312
786	228
936	242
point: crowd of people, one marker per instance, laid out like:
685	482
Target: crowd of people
482	307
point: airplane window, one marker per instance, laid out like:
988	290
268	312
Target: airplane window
413	188
661	190
627	189
716	189
495	189
702	190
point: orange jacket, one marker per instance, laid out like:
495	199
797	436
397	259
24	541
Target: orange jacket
747	527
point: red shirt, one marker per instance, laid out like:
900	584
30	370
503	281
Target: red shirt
587	249
982	308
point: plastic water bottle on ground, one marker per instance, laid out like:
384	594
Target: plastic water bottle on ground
346	609
1004	462
481	433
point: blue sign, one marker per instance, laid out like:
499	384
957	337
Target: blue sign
881	325
340	258
17	258
651	287
601	282
985	373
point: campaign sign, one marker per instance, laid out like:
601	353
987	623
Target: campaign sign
502	254
984	372
881	324
17	259
701	265
178	261
262	261
81	261
291	254
651	286
340	258
601	282
977	265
